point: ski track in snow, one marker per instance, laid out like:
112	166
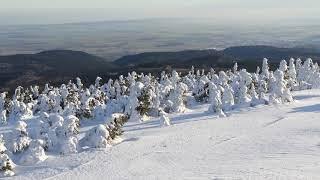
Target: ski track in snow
274	122
265	142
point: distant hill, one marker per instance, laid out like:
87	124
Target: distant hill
246	56
59	66
161	57
54	66
274	54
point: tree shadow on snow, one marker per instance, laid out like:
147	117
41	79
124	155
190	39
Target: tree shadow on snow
310	108
302	97
131	139
182	118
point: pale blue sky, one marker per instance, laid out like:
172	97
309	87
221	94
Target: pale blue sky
62	11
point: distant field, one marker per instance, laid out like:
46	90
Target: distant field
112	40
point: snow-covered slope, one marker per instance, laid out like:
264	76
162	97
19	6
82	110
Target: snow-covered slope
264	142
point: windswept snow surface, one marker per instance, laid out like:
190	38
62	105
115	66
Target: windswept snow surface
264	142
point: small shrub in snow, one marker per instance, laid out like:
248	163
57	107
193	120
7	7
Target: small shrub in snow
115	130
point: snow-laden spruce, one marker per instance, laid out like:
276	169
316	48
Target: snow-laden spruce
3	111
34	154
216	104
6	164
97	137
20	140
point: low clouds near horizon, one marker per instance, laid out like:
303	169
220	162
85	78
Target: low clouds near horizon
63	11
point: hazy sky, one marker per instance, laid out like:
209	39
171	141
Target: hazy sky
62	11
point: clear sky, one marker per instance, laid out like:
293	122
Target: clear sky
63	11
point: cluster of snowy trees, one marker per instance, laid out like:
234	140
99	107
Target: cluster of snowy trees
48	120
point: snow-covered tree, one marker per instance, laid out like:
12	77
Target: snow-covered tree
177	98
18	111
305	74
97	137
235	68
298	66
20	137
258	70
227	99
145	100
245	80
3	148
216	104
3	117
280	93
292	80
6	165
34	154
64	95
223	78
3	101
156	98
115	124
35	91
265	70
54	120
67	135
69	145
97	82
200	91
133	104
283	66
54	101
164	119
79	83
255	100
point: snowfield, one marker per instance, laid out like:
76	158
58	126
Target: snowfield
263	142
